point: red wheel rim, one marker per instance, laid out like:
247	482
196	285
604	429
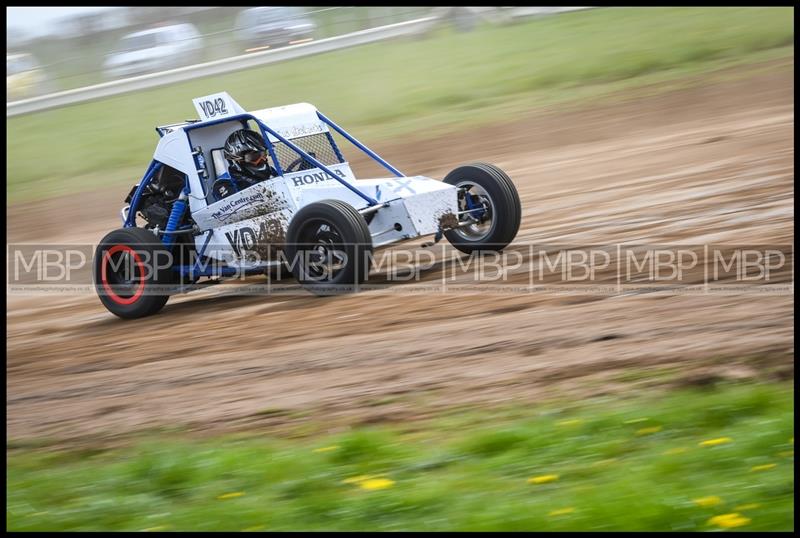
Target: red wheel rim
104	276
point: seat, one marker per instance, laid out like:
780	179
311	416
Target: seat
220	164
220	169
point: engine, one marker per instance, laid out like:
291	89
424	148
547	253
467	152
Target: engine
159	195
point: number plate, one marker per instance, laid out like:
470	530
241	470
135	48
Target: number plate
216	106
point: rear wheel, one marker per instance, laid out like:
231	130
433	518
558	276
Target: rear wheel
132	273
328	245
489	208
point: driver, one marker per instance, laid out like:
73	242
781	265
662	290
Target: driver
247	158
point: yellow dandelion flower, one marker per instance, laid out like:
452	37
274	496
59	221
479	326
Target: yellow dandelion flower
636	420
717	441
787	454
648	431
230	495
326	448
706	502
751	506
674	451
543	479
561	511
727	521
376	483
765	467
571	422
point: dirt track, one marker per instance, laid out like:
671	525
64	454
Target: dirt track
710	163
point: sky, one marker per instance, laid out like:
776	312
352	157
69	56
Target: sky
39	21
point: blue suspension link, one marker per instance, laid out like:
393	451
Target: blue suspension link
175	217
475	209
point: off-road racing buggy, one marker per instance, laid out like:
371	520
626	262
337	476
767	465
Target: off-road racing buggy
186	220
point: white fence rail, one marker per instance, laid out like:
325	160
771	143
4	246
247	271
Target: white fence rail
217	67
236	63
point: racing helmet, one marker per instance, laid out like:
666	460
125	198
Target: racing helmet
247	154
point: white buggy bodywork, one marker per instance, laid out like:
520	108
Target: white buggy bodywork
311	217
409	207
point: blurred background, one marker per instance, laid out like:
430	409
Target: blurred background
447	409
65	48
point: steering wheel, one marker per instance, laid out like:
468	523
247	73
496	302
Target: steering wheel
224	187
300	164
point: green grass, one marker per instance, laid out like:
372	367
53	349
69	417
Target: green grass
622	463
409	87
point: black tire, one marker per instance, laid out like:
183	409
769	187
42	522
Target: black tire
502	214
335	231
149	294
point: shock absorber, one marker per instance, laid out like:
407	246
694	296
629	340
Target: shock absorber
175	217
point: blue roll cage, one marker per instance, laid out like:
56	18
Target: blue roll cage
180	206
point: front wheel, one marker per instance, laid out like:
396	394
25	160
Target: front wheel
328	245
489	208
132	273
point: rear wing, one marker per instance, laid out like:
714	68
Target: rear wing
209	107
164	129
